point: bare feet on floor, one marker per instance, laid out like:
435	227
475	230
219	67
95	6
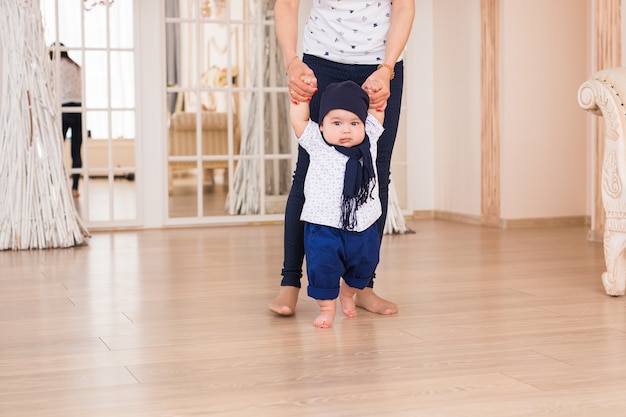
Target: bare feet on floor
327	313
368	300
75	193
285	302
346	298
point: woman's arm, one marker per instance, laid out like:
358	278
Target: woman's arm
402	14
286	27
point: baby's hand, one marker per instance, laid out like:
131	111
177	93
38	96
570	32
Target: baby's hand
309	79
372	86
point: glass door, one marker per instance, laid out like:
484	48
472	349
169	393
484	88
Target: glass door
230	148
98	114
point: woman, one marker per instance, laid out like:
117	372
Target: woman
356	40
71	96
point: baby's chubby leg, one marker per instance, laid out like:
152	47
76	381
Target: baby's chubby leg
346	298
327	313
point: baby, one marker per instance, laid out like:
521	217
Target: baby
341	206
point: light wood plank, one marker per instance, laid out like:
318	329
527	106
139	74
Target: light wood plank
492	322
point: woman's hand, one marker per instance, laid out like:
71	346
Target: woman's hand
301	81
377	87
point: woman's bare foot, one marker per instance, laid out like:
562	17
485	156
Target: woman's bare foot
285	302
346	298
368	300
75	193
327	313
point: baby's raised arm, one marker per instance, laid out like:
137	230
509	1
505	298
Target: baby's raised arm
299	112
299	115
378	114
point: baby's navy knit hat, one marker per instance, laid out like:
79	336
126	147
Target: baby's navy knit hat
346	95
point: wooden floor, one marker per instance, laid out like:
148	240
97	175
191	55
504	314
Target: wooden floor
160	323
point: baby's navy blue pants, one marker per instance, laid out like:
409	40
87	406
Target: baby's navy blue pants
333	253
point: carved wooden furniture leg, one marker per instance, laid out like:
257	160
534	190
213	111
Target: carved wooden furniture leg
602	95
615	258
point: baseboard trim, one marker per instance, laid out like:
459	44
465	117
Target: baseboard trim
457	217
504	223
545	222
422	215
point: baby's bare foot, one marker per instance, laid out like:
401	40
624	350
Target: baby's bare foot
368	300
327	314
285	302
346	298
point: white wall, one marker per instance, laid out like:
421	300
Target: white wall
457	106
543	147
151	123
418	111
545	55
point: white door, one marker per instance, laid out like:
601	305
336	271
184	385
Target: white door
230	147
99	39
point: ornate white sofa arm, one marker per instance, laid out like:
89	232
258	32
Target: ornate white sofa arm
603	95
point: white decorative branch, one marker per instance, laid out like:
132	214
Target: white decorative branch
36	207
